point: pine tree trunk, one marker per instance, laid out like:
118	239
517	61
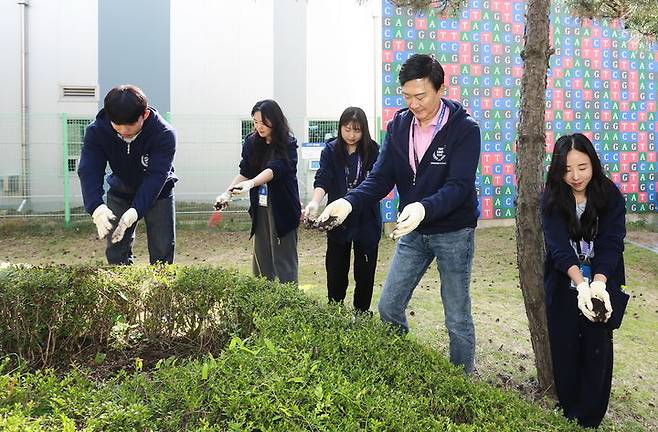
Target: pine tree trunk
529	170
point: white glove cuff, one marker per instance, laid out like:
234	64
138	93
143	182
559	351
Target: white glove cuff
597	285
582	286
348	205
100	210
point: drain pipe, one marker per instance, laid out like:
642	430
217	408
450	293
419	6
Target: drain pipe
25	185
376	10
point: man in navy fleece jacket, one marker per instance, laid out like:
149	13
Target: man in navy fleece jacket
139	145
430	153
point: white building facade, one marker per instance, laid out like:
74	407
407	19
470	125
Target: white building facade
202	64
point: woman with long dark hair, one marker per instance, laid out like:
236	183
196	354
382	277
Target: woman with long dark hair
345	162
583	215
268	172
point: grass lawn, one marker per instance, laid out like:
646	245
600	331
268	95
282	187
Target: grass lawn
504	353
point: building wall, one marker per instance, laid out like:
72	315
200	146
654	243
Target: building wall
222	55
204	63
10	107
343	59
134	47
290	62
61	51
10	50
222	62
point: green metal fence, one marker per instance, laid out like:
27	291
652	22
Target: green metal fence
207	157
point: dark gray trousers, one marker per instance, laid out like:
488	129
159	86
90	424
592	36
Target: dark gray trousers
274	257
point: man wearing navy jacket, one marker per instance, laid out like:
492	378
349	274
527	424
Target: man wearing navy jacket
430	153
139	145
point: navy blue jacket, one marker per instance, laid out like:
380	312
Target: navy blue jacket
282	189
445	185
142	171
608	248
364	227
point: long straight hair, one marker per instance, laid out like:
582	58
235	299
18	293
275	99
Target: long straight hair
559	195
273	117
366	147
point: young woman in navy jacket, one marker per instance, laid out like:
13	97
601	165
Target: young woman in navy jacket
345	162
583	215
268	172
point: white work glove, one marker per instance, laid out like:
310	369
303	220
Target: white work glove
103	218
412	215
597	290
312	210
221	202
241	188
127	220
338	210
585	300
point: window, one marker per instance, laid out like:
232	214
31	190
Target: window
320	131
76	133
10	184
247	126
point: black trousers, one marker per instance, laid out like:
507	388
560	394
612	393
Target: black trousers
337	264
582	354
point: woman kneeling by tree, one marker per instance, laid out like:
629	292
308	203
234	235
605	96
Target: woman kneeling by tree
583	215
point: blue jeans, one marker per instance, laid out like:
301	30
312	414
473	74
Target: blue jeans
160	222
454	254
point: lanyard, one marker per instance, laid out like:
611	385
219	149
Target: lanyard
584	256
437	128
352	185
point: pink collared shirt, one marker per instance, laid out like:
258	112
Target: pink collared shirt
424	136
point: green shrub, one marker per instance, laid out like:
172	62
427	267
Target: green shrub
287	364
55	315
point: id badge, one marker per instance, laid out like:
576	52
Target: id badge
586	270
262	195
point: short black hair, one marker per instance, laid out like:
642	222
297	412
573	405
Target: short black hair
420	66
124	104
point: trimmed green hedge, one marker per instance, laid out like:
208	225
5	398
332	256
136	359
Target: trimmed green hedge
289	364
54	314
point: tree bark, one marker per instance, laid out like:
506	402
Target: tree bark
529	170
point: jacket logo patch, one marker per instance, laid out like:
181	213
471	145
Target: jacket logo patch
145	160
439	157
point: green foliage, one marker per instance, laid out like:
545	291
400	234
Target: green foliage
649	224
450	7
46	311
289	364
52	315
640	16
